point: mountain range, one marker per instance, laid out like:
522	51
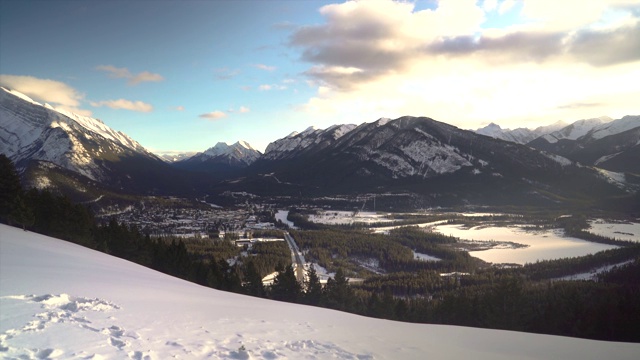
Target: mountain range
438	163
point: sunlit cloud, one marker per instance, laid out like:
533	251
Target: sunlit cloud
214	115
382	58
179	108
265	67
244	109
269	87
133	79
124	105
54	92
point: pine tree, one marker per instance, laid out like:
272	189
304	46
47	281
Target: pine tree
21	214
313	287
285	286
253	281
338	293
10	186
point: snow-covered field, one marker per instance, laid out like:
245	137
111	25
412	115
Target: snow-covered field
336	217
617	230
60	300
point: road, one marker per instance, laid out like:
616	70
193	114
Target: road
296	257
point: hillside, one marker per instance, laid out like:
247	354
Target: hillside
60	300
79	155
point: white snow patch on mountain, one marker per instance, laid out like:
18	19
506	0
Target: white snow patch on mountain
615	127
557	158
439	159
576	130
300	141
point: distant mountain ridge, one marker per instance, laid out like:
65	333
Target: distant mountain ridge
519	135
611	145
437	163
416	155
221	159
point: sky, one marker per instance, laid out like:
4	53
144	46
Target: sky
180	76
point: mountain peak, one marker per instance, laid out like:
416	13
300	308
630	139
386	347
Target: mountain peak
298	142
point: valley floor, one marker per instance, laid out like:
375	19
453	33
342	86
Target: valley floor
60	300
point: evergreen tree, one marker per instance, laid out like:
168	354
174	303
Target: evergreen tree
285	286
10	187
313	288
21	213
253	281
338	293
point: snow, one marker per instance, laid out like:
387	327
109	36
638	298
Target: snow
300	141
60	300
577	130
425	257
563	161
629	231
615	127
592	275
282	216
29	130
337	217
240	151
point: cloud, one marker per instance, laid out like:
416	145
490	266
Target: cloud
244	109
179	108
376	58
225	73
124	73
214	115
269	87
363	41
54	92
124	104
265	67
378	37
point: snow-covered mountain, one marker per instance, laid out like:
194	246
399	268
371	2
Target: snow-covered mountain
221	159
174	156
43	141
414	155
577	129
33	131
519	135
60	300
609	144
312	138
240	152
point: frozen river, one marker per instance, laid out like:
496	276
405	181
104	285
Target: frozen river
542	245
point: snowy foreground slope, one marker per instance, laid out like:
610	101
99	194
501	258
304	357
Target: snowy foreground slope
59	300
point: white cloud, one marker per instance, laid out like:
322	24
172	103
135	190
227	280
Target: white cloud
225	73
265	67
265	87
506	5
179	108
124	73
214	115
373	59
489	5
54	92
124	104
244	109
